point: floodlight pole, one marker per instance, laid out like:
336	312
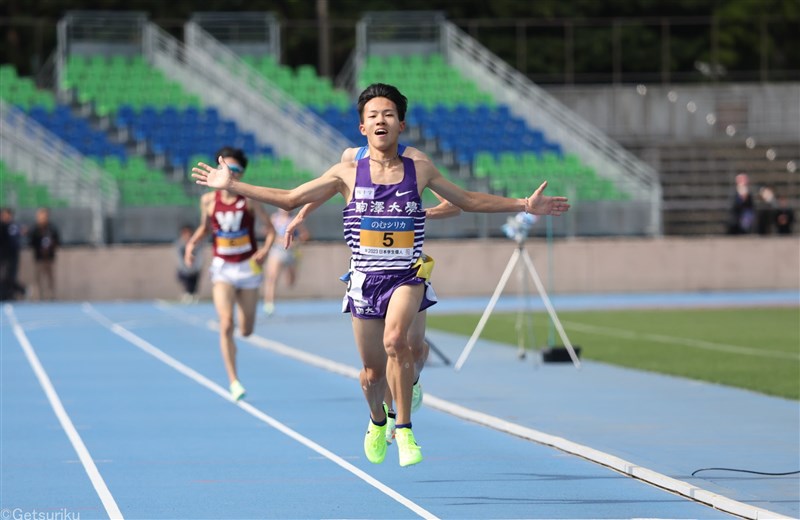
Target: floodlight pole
520	251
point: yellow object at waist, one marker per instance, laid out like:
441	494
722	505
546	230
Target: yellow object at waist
424	265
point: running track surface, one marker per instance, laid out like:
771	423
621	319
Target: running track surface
120	410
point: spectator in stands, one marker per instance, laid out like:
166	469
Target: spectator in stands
384	227
10	245
282	259
188	274
236	267
742	212
784	216
45	241
766	210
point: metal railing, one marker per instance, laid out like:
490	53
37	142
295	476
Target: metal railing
541	109
347	79
247	32
45	159
218	76
380	32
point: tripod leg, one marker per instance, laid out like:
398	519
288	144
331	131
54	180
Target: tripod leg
550	309
520	328
438	352
521	314
486	313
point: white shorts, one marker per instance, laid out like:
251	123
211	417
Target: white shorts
242	275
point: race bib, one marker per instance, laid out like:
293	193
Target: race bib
388	237
233	243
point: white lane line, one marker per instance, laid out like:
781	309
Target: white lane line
255	412
61	413
274	346
604	459
685	342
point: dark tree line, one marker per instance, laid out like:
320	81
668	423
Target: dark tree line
560	40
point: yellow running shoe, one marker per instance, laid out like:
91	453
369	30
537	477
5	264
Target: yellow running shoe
416	397
375	443
407	447
237	390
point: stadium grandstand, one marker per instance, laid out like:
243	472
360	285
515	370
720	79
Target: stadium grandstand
139	105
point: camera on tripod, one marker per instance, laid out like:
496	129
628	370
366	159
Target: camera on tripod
518	226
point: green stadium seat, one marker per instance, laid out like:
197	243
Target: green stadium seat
374	61
307	72
436	59
18	192
8	74
484	164
251	60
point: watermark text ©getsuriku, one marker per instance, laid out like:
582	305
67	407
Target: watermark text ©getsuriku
18	513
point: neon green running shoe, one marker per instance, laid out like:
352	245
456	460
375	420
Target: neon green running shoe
410	452
237	390
416	397
375	443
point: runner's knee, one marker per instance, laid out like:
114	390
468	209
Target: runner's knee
396	343
247	329
373	375
226	326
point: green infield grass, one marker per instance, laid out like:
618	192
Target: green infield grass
753	348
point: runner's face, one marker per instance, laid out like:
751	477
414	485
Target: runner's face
381	124
234	165
236	171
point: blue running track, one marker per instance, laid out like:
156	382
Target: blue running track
121	410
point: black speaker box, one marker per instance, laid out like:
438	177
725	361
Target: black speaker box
559	354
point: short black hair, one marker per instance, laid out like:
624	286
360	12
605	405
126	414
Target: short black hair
236	153
389	92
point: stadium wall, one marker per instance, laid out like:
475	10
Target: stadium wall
766	111
467	268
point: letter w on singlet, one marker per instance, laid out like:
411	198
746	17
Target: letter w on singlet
229	220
